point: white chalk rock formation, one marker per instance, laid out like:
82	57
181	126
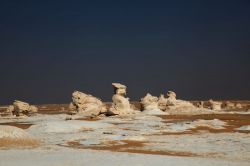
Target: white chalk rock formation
173	103
162	102
120	103
214	105
200	104
229	105
150	105
10	109
86	104
12	132
149	102
171	98
20	108
11	136
238	105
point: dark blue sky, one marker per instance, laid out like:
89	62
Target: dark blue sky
48	49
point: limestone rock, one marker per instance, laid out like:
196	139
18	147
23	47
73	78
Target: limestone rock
229	105
10	109
214	105
12	132
149	102
150	105
238	105
120	103
119	89
86	104
172	103
171	96
33	108
200	104
20	108
162	102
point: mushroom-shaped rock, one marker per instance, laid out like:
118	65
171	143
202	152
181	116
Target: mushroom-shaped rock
119	89
86	104
120	103
20	108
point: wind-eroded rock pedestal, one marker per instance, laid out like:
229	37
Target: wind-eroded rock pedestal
120	105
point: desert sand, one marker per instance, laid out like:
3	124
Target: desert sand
55	136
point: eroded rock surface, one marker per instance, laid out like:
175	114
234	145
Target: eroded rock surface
150	105
11	132
162	102
120	103
170	102
229	105
149	102
214	105
86	104
20	108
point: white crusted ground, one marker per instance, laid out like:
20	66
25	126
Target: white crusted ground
55	132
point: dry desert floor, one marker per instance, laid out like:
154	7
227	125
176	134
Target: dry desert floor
55	137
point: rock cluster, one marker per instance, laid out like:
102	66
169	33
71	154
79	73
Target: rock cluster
20	108
155	104
120	103
231	105
150	104
86	104
214	105
170	102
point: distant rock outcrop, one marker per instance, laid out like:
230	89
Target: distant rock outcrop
150	104
214	105
229	105
172	103
200	104
20	108
120	103
86	104
238	105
